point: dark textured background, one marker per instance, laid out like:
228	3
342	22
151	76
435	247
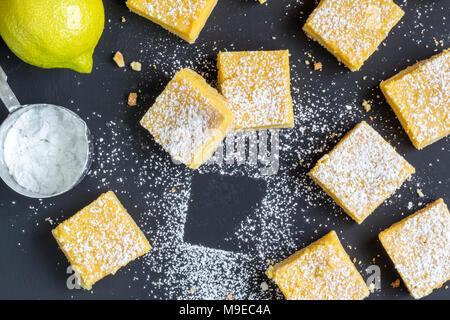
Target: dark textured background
31	265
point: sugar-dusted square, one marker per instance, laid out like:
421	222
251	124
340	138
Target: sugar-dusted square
321	271
361	172
100	239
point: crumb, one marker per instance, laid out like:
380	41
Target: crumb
191	290
118	59
49	220
420	193
317	66
132	99
367	105
123	19
136	66
371	287
396	283
229	297
307	62
173	189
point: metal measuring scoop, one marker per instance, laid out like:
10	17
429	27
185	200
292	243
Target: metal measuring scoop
16	110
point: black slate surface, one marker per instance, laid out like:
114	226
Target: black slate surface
32	266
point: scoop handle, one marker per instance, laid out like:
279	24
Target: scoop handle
6	94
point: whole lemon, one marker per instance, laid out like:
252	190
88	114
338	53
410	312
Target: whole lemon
53	33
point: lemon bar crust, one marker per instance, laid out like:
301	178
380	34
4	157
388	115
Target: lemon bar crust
184	18
320	271
361	171
419	247
100	239
420	98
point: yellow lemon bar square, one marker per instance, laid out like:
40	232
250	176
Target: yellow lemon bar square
321	271
100	239
419	246
189	119
420	97
352	29
185	18
257	85
361	172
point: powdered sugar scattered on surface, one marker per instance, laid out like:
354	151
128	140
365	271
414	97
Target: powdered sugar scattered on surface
293	211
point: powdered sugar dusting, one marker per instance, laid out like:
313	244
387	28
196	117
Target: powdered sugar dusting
175	13
420	248
352	30
420	96
362	171
321	271
257	85
183	120
100	239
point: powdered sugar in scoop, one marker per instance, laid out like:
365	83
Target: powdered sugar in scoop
46	150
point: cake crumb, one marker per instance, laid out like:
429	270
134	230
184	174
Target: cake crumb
192	290
420	193
136	66
49	220
132	99
229	297
367	105
118	59
123	20
396	283
317	66
371	287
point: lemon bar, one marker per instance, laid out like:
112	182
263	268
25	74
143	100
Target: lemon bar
361	172
321	271
189	119
352	29
185	18
257	85
100	239
420	97
419	246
